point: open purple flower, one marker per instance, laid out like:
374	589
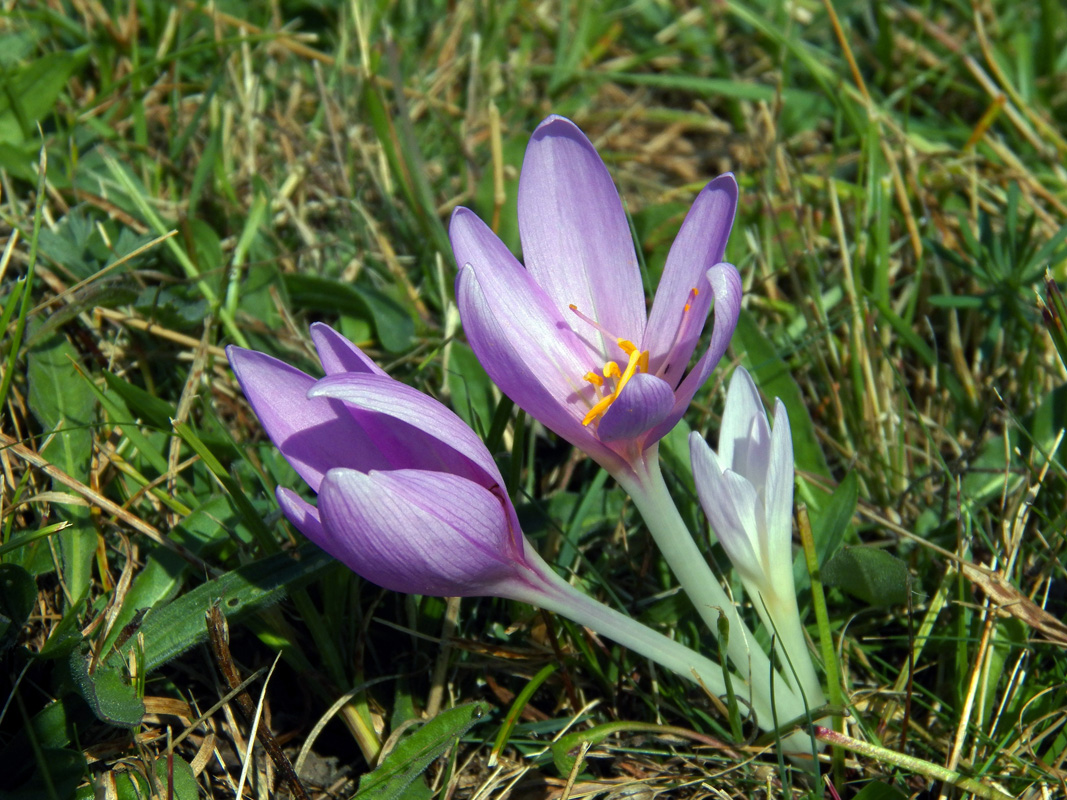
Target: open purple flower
408	495
567	337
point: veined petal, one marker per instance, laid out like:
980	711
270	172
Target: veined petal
778	497
313	435
642	404
524	309
533	364
337	354
745	436
729	502
303	516
417	432
677	318
726	287
418	532
575	239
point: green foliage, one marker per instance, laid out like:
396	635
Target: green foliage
391	779
874	576
18	594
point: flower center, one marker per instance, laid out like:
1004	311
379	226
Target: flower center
612	378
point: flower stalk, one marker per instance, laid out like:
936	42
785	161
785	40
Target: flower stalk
649	492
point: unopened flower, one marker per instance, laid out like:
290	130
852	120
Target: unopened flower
746	490
567	337
408	495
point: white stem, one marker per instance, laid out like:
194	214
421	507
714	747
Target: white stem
780	615
652	498
547	590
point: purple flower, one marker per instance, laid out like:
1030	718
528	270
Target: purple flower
567	337
408	496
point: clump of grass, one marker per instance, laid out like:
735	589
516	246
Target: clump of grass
178	178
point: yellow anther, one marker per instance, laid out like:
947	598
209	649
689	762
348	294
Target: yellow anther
692	294
637	362
599	409
632	366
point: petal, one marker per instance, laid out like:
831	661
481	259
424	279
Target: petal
778	499
303	516
413	430
418	532
642	404
726	287
540	367
729	502
745	436
337	354
313	435
523	306
575	238
676	319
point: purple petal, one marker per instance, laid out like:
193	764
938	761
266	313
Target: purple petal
417	432
313	435
418	532
539	366
730	504
337	354
672	331
524	309
642	404
575	239
303	516
726	287
745	436
778	497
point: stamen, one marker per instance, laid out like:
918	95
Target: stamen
591	321
681	328
638	362
692	296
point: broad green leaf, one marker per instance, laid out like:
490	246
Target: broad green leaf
872	575
829	526
27	94
876	790
392	323
164	570
18	595
173	628
106	690
416	752
184	782
60	400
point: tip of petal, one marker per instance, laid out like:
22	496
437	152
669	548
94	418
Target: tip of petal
556	125
459	214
